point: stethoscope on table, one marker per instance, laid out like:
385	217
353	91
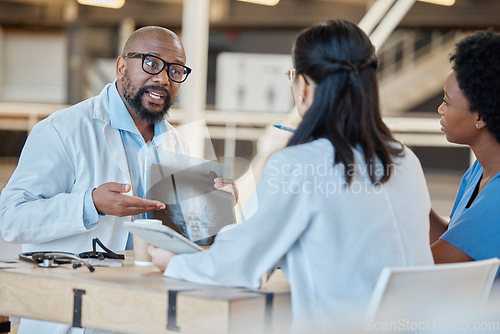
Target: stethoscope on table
51	259
54	259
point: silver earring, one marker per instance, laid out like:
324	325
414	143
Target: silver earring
477	125
301	99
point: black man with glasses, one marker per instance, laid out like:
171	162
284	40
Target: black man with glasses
80	175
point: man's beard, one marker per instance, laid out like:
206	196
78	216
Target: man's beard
135	102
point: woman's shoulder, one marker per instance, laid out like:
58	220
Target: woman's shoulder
294	160
317	150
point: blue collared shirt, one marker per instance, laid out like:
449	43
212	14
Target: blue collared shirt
136	149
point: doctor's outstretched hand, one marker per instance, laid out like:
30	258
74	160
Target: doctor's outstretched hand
111	199
161	257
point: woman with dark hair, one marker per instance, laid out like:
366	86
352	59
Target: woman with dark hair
341	202
470	115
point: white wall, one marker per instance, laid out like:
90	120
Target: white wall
34	67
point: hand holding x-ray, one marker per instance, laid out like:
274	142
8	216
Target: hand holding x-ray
189	188
228	185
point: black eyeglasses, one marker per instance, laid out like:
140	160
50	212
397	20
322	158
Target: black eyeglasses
154	65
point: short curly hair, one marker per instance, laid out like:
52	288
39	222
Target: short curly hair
476	62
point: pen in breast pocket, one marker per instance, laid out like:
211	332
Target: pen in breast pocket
286	128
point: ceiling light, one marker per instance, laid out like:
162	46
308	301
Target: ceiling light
263	2
103	3
440	2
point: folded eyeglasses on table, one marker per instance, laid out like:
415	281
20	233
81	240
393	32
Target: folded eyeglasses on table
52	259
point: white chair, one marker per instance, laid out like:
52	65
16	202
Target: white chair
432	292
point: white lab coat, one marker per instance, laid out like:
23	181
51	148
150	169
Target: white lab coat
331	242
73	150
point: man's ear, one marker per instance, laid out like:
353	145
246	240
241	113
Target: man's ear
120	67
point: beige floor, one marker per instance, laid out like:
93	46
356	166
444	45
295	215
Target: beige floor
443	187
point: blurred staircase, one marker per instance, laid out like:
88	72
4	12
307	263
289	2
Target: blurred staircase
413	65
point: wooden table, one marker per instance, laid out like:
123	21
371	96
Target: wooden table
135	299
4	324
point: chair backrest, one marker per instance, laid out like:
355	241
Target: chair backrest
421	291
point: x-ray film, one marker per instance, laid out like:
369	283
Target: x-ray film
194	208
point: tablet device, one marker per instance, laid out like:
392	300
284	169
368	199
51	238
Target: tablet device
164	237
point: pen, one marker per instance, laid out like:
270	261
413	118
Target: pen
286	128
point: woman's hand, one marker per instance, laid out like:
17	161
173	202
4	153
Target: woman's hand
161	257
228	185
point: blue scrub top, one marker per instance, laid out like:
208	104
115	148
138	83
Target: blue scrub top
476	230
